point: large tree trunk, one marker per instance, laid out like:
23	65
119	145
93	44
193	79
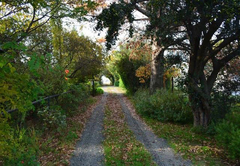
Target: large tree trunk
157	69
201	109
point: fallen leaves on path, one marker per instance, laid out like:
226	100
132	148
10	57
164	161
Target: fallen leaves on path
57	148
120	145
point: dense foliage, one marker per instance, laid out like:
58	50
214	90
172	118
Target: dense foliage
39	58
130	66
207	34
164	106
228	132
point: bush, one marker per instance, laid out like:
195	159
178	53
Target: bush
221	105
116	83
18	146
228	133
127	71
164	105
52	117
99	91
71	101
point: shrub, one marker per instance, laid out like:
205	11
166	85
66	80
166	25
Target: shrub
52	117
116	83
18	146
164	105
221	105
99	91
127	71
228	133
71	101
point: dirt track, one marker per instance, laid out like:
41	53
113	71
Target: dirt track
89	149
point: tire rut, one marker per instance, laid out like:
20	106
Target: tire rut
89	151
162	154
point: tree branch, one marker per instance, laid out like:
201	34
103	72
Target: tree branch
207	37
32	21
218	65
230	56
144	12
142	19
224	44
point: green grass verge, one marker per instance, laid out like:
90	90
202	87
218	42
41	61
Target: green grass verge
201	149
120	145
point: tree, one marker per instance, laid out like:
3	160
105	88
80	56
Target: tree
19	18
160	29
21	21
81	56
213	30
57	39
208	32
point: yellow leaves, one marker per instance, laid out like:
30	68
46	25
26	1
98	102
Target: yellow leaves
217	44
143	73
172	72
12	69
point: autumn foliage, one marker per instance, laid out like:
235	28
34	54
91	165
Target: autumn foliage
143	73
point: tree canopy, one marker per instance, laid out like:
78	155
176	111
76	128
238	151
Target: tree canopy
206	32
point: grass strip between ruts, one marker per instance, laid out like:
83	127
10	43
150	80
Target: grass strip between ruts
120	145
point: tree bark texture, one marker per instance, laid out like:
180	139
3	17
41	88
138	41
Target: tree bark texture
157	69
201	110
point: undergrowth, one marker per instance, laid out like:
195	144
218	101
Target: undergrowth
56	145
164	106
159	112
201	149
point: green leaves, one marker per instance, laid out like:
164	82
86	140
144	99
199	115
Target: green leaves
113	18
14	45
228	133
34	63
164	106
82	57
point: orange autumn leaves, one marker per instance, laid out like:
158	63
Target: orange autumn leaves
66	72
101	40
139	50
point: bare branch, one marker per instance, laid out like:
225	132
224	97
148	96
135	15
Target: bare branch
142	19
141	10
32	21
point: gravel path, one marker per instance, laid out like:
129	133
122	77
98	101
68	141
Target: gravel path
89	151
162	154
